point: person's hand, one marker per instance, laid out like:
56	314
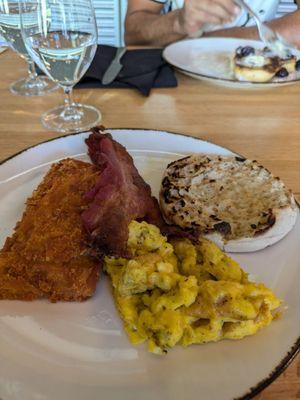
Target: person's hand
196	13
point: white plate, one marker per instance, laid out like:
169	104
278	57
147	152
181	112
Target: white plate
79	351
210	59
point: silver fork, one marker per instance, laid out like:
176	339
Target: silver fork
272	39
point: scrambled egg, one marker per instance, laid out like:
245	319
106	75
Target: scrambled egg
180	293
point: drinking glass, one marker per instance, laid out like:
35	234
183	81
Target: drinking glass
10	29
63	44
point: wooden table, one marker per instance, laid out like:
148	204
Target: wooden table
260	124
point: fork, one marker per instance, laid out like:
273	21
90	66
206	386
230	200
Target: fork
272	39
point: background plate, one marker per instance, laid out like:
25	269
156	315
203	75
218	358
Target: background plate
80	351
210	59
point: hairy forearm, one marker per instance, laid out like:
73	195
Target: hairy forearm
146	28
288	26
240	32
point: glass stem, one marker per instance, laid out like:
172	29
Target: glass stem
70	111
69	102
31	70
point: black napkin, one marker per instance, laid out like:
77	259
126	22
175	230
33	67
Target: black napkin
142	69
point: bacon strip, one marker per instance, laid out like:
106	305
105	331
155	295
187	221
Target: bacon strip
119	196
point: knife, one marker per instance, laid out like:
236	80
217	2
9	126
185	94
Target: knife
114	67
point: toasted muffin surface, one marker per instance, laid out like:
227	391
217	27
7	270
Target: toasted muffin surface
234	197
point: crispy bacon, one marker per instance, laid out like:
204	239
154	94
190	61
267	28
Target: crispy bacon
119	196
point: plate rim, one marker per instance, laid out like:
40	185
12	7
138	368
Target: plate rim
214	78
291	353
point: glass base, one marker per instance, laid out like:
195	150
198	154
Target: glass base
76	118
33	87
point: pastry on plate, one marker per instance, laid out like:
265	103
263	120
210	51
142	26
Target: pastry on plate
233	201
260	65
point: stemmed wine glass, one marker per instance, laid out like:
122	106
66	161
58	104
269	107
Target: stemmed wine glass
63	43
10	29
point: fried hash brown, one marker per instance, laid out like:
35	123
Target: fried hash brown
47	256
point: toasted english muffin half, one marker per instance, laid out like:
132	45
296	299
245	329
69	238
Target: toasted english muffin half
232	201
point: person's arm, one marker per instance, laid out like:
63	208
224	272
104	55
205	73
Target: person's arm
148	26
145	24
288	26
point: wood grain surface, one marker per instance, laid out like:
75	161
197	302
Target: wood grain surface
259	124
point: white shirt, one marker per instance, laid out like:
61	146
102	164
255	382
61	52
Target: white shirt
267	9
